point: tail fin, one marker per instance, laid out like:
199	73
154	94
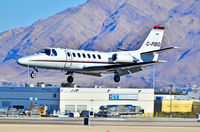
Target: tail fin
153	40
152	43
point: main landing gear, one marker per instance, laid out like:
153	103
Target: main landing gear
116	78
33	73
70	78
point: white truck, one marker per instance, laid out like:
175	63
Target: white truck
119	110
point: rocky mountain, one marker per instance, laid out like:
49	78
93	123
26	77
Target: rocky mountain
105	26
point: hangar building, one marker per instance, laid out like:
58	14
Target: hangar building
78	99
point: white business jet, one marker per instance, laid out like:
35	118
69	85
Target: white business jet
96	63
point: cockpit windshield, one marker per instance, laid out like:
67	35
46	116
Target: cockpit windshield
48	52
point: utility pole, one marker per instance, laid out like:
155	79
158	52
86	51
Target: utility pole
154	76
91	104
170	99
28	75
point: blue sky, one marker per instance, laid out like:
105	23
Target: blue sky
20	13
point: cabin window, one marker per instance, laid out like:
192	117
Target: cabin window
88	55
68	54
46	51
74	55
83	55
54	52
99	56
94	56
79	55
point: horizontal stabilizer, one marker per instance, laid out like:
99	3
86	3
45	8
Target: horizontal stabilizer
122	49
160	50
161	61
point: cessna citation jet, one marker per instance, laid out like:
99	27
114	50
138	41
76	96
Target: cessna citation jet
97	63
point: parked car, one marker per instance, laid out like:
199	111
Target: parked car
3	111
13	112
87	113
20	108
69	114
21	112
76	114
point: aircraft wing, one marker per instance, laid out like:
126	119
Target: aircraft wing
126	71
97	74
122	69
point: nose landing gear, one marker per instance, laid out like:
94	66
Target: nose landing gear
33	73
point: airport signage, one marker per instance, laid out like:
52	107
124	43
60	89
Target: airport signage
123	97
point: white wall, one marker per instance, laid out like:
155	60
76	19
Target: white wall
95	97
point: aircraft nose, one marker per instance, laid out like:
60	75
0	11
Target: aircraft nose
22	61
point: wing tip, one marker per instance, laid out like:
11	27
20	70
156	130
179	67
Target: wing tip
176	47
162	61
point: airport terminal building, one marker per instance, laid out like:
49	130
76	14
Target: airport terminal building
74	99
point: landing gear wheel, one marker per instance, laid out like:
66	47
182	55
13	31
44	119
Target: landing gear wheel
116	78
33	74
70	79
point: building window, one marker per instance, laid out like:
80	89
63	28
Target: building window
74	55
54	95
99	56
69	108
6	103
80	108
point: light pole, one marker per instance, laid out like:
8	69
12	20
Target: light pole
91	104
171	99
28	76
154	76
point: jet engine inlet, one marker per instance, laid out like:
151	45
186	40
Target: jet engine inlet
114	57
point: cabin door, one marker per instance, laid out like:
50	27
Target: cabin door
68	62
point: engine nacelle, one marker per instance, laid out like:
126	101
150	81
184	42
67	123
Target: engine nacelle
117	58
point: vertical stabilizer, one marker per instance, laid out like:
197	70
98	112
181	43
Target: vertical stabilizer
153	40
